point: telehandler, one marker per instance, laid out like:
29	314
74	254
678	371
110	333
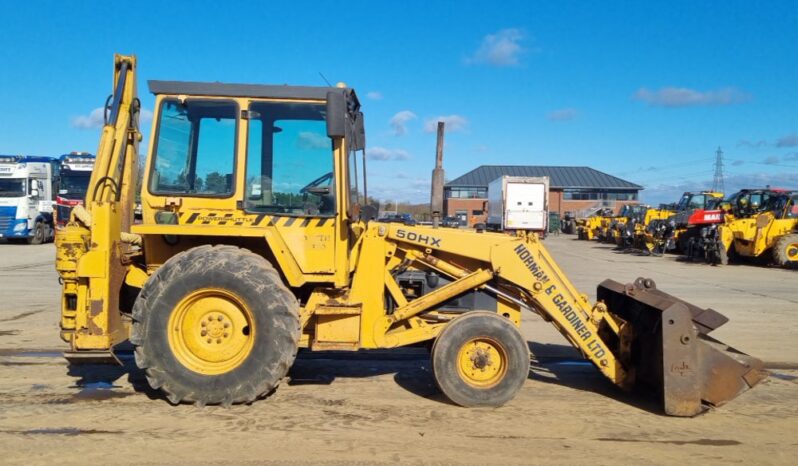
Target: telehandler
761	224
256	241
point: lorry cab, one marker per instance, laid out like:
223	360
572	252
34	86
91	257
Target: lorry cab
71	183
26	198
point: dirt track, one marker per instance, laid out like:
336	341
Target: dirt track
384	408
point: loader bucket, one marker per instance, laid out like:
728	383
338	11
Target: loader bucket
671	353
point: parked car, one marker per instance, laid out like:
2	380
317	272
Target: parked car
450	222
407	219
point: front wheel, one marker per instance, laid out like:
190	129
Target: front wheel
785	251
480	359
38	234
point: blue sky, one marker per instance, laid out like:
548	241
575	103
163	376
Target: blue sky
643	90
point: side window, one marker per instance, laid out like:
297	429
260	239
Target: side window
355	171
195	150
289	160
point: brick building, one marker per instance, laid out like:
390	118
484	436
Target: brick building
571	189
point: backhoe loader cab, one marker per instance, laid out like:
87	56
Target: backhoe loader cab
255	241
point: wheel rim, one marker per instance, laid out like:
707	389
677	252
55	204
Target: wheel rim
211	331
482	362
792	252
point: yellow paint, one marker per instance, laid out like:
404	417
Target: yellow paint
211	331
482	362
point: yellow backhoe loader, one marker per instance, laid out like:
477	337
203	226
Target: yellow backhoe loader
256	241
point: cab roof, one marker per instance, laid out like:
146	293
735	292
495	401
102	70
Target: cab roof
249	90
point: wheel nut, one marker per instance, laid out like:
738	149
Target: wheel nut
209	340
218	340
203	333
226	325
204	323
220	318
225	335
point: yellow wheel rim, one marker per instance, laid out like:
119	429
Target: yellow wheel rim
482	362
792	252
211	331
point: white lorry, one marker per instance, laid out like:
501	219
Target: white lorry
518	203
26	198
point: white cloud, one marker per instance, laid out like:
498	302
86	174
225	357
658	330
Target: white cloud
563	114
500	49
684	97
665	193
791	140
374	95
454	123
308	140
95	119
399	122
381	153
754	144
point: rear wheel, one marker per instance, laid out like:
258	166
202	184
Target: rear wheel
215	325
480	359
785	251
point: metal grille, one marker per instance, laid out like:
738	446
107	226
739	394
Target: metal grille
6	222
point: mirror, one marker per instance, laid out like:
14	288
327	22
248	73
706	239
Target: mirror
336	114
34	193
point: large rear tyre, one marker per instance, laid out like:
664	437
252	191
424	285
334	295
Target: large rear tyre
480	359
215	325
785	251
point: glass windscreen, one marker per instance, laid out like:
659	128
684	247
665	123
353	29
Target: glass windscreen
289	160
74	184
195	149
12	187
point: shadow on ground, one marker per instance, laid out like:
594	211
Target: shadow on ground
551	364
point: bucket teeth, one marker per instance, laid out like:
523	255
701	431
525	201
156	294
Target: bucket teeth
671	353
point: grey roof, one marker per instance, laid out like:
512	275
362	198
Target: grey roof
245	90
559	177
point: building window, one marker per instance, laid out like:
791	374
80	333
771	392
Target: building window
598	195
466	193
477	212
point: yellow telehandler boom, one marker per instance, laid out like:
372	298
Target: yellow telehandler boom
256	241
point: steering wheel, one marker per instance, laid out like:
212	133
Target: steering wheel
319	186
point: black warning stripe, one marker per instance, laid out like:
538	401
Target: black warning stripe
192	217
208	219
323	221
305	222
224	220
289	222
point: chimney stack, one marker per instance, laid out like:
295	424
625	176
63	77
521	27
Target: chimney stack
436	198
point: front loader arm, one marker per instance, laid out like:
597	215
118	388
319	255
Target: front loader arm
636	335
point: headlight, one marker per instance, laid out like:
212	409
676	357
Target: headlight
20	226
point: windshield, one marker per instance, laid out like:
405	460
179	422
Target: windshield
12	187
289	160
74	185
690	201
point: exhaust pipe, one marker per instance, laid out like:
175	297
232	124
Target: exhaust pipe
670	352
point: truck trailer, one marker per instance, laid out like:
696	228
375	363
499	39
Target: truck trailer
26	198
518	203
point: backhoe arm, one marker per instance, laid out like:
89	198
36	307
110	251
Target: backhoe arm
91	251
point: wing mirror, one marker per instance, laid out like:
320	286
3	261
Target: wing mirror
336	114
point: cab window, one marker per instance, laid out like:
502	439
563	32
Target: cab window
289	160
194	153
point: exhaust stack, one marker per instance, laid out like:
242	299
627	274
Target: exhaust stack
436	197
